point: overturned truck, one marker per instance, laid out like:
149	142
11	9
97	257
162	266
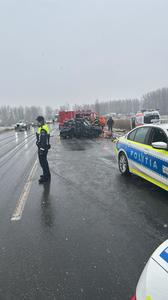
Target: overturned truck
80	127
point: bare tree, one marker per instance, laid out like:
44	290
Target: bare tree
157	100
49	114
10	115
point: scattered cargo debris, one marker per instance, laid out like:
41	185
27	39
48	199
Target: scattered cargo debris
80	127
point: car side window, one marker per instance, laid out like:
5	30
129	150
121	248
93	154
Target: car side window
158	135
141	135
131	135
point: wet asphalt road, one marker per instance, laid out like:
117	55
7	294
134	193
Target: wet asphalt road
87	235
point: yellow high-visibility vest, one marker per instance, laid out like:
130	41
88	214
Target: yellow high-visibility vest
43	127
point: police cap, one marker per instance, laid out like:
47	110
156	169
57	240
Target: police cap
40	119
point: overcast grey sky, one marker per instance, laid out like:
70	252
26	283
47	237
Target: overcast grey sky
58	51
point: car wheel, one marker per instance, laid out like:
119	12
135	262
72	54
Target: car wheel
123	164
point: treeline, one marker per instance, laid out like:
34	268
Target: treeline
10	115
153	100
118	106
157	99
114	106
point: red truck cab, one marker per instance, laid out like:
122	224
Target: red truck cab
65	116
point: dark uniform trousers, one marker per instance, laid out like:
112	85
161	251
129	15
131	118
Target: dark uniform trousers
44	163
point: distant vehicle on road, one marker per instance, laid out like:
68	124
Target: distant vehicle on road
49	121
153	283
34	124
22	125
144	152
147	117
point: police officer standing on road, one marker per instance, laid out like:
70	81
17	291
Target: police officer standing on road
43	144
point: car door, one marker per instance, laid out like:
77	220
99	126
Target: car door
157	167
137	151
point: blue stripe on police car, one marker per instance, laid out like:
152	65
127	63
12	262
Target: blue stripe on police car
148	161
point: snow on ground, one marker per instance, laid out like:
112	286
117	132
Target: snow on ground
5	128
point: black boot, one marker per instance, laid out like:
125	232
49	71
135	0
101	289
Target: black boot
44	179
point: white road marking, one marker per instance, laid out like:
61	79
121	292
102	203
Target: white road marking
24	195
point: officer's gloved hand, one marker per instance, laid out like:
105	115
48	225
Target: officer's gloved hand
37	143
49	146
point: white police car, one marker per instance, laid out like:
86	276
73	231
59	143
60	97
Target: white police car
144	152
153	283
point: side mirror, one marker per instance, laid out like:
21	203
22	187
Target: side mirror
160	145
